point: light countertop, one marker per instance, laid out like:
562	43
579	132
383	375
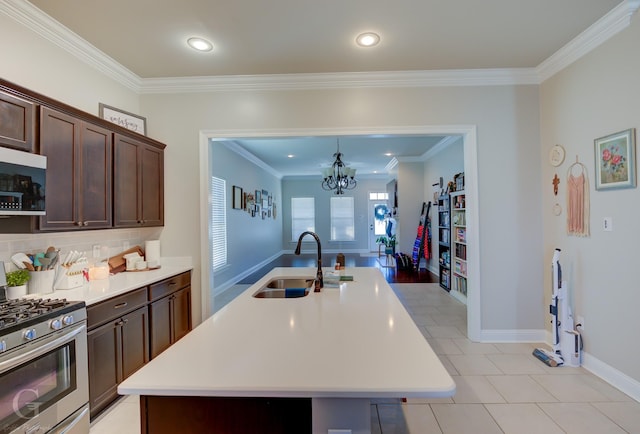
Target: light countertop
352	341
96	291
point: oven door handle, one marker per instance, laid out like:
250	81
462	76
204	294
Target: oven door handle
41	349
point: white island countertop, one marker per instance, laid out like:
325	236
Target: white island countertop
355	341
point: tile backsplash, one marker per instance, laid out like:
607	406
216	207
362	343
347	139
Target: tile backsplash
116	240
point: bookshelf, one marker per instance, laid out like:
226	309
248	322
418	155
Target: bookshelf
444	242
459	246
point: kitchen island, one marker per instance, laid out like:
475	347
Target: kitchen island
305	364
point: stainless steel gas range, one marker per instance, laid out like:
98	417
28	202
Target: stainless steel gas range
43	365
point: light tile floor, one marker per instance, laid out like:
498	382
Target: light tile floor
501	388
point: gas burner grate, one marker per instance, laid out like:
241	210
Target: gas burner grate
20	310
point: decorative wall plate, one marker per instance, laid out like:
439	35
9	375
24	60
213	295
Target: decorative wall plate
557	209
556	156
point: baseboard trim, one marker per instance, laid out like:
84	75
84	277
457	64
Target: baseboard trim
219	288
611	375
512	336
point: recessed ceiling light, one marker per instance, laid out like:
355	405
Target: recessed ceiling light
388	154
200	44
368	39
290	156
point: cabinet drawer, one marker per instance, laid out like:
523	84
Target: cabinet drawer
115	307
166	287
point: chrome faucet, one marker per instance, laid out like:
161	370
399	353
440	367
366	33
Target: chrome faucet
319	282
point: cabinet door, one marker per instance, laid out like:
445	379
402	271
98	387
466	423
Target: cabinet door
126	194
17	123
95	175
135	341
181	310
60	143
161	326
105	373
138	183
152	186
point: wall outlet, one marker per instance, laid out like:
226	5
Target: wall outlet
607	224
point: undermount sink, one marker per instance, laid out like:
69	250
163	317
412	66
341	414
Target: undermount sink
285	287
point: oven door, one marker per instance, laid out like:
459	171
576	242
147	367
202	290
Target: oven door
44	382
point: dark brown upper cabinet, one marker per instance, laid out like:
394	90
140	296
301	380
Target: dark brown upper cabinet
138	179
17	123
79	168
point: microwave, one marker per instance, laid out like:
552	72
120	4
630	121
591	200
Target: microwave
22	183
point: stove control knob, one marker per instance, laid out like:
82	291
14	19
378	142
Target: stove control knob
55	324
67	320
30	334
3	346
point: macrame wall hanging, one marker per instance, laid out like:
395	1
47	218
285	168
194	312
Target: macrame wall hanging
577	200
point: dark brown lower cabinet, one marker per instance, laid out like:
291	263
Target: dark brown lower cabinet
116	350
170	320
193	414
126	331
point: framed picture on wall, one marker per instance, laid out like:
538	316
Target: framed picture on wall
125	119
615	157
237	198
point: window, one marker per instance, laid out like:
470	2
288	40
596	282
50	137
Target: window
378	196
218	223
303	216
342	220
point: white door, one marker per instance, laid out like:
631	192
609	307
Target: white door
377	223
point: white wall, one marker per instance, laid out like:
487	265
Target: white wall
251	241
411	194
310	187
508	155
596	96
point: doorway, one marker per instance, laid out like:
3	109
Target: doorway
469	137
378	210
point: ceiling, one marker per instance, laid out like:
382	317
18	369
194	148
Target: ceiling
148	37
257	37
369	155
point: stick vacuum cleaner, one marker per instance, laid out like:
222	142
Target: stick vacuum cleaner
567	341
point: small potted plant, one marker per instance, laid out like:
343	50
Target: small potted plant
17	283
389	243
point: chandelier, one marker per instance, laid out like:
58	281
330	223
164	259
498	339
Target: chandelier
339	176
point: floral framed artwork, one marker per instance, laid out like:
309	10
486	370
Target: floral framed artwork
616	160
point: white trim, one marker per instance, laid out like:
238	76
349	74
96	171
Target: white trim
613	22
246	273
469	137
342	80
51	30
612	376
512	336
206	277
233	146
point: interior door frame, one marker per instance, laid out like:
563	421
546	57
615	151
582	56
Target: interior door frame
470	146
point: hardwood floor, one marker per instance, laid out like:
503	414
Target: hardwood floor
392	274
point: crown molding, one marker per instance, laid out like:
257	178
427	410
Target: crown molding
33	18
470	77
440	146
233	146
613	22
